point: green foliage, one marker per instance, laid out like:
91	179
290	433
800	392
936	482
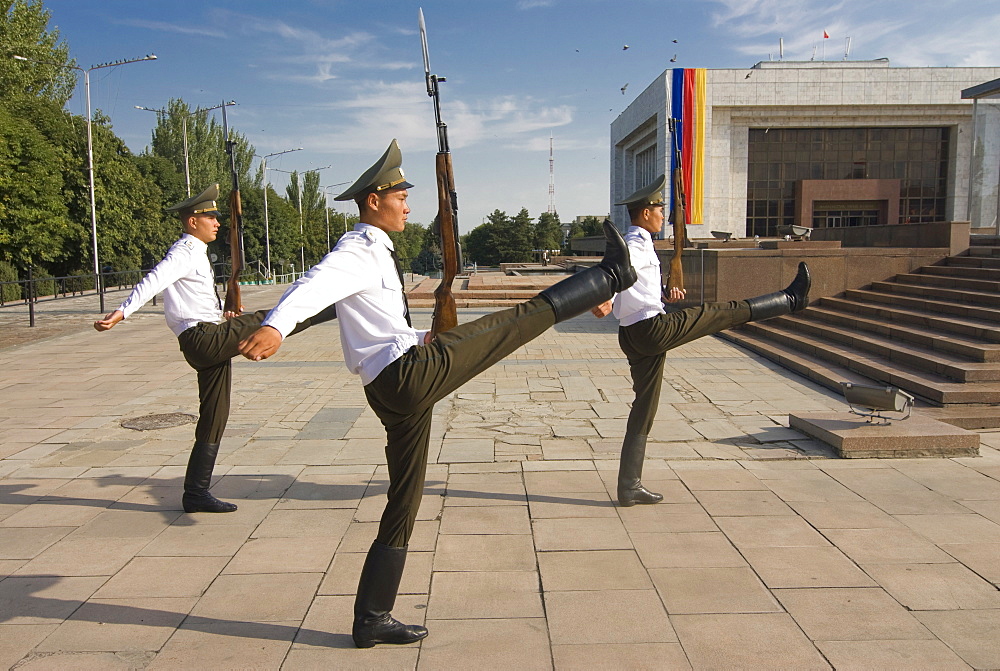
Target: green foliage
24	32
589	226
312	212
36	225
548	232
8	273
132	231
501	239
207	158
409	243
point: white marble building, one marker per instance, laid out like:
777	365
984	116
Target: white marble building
742	106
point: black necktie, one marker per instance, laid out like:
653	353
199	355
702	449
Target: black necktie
399	271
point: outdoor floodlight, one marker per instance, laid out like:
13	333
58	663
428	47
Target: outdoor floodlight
870	401
725	236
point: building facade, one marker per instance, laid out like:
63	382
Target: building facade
816	144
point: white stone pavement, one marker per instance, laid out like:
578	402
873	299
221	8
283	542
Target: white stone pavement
767	552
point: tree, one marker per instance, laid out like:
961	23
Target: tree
207	158
514	237
548	232
24	32
35	222
409	243
131	225
305	195
589	226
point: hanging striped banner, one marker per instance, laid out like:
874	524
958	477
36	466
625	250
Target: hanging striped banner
688	106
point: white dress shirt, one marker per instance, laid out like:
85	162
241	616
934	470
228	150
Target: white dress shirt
185	278
643	299
360	276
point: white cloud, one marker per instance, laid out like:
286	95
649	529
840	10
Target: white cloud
173	28
917	33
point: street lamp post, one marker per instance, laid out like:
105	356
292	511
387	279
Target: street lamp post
267	229
90	150
184	125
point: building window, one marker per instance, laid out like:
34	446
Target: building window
645	167
779	157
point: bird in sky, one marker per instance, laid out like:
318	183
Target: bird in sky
625	48
674	59
748	75
674	41
624	87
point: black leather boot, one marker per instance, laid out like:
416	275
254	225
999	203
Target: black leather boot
792	298
630	489
591	287
373	622
198	479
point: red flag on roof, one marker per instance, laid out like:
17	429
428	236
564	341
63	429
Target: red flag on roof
826	35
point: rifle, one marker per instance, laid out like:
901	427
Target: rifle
445	311
678	215
234	302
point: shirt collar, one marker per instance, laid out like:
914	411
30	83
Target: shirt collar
195	242
641	232
375	234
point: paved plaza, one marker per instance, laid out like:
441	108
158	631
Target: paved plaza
767	552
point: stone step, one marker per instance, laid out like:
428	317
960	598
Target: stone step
810	355
974	273
923	279
944	364
963	296
973	261
918	315
983	250
982	344
971	416
917	303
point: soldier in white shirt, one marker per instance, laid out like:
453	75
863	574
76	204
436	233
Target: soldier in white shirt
646	332
207	338
405	371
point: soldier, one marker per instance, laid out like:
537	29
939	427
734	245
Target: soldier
646	332
405	371
207	338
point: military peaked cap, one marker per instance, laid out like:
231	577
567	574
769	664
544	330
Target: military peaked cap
203	203
384	175
651	194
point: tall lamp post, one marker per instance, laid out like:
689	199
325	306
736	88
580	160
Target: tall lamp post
267	228
90	149
184	123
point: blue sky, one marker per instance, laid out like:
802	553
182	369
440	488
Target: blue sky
342	78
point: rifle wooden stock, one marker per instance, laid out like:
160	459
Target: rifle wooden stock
445	310
676	277
234	302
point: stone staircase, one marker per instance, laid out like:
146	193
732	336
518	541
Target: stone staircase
934	333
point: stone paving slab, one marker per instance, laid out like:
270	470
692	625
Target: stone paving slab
767	552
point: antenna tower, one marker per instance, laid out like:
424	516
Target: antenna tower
552	180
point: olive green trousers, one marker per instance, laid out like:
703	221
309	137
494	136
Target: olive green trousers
404	393
646	344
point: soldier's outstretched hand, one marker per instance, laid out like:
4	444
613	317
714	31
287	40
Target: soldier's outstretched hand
602	310
109	320
260	344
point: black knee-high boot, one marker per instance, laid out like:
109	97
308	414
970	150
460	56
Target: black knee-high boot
373	621
792	298
591	287
198	479
630	489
